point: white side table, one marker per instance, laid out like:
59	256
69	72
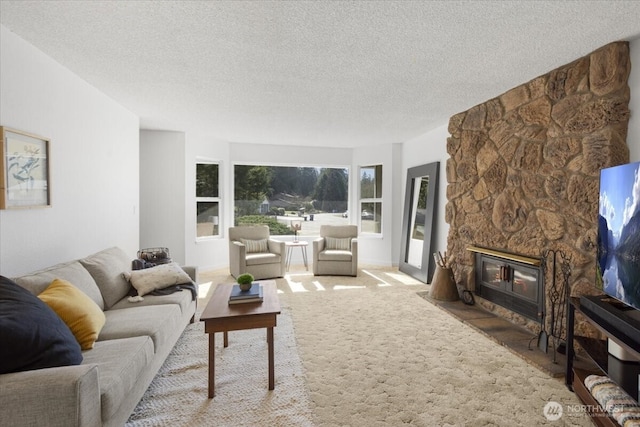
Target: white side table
303	248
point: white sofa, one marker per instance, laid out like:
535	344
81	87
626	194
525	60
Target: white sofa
133	344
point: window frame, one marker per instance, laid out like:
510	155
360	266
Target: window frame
377	198
209	199
304	234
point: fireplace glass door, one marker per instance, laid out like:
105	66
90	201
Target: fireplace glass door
525	283
513	285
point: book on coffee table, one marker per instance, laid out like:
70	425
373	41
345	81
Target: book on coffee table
252	295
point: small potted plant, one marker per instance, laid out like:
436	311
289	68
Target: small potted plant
245	281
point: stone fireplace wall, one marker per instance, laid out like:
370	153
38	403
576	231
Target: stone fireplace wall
523	172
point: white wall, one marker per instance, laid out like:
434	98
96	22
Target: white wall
162	192
428	148
93	163
168	199
378	249
212	252
283	155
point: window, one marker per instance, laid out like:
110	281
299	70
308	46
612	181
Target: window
278	195
371	199
207	199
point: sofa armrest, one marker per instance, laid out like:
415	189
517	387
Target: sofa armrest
354	257
318	246
237	254
276	246
64	396
192	271
279	247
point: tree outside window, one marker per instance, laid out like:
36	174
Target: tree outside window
278	195
207	199
371	199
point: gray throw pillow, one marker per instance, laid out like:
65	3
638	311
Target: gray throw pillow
106	268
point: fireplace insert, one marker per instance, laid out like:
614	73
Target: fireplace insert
512	281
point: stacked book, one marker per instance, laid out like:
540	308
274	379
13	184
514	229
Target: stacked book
252	295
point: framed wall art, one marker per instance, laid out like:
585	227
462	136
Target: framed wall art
24	178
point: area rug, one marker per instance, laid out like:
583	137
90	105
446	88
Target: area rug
178	394
367	351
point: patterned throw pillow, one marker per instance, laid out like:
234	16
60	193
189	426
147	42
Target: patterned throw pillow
622	407
158	277
341	244
254	246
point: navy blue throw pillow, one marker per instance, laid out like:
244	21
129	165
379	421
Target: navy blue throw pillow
32	336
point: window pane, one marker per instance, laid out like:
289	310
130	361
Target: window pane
275	195
371	217
206	180
371	182
207	220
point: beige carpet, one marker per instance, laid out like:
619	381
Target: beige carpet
367	351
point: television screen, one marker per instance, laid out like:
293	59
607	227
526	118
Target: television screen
618	258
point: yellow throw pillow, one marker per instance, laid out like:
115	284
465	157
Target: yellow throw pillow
81	314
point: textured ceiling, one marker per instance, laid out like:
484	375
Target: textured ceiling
329	73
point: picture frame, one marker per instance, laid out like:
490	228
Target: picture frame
24	170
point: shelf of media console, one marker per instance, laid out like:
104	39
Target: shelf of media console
618	323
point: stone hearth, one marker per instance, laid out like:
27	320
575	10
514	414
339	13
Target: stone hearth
523	172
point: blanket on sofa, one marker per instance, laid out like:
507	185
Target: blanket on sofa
176	288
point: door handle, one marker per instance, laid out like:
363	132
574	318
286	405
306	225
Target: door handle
504	273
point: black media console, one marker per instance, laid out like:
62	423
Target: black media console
621	325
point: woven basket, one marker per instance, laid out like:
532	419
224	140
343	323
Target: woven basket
155	255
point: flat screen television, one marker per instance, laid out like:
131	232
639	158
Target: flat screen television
618	253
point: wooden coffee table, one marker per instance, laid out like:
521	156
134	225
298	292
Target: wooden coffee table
219	316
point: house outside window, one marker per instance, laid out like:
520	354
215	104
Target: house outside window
371	199
207	200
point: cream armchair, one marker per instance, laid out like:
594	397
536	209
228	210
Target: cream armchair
251	250
335	253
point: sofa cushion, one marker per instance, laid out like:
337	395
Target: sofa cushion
262	258
158	277
182	298
106	268
73	272
76	309
120	365
159	322
32	335
334	255
254	246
